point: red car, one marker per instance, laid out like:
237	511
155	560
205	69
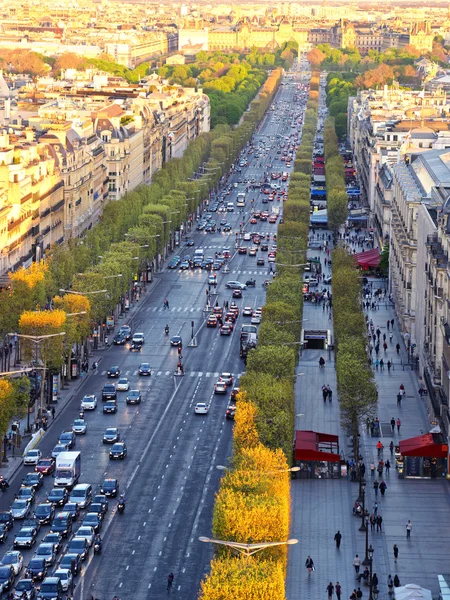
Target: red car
45	466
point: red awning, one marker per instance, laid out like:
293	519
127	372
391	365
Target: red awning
311	445
368	259
430	445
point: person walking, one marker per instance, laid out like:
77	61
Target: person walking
381	364
379	523
399	424
338	590
375	509
324	393
408	529
309	564
397	347
387	466
372	521
53	413
399	399
391	335
337	539
374	580
380	448
380	468
395	553
375	488
330	394
383	487
393	424
396	581
353	595
359	594
391	447
330	590
388	324
377	363
385	347
390	583
357	563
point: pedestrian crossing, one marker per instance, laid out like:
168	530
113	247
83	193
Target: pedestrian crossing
198	374
234	272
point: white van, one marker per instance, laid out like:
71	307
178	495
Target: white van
81	494
230	207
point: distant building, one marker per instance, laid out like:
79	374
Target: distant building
176	59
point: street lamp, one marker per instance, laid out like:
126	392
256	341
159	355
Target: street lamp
362	493
371	551
247	549
83	293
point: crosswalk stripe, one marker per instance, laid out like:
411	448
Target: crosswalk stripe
192	373
167	372
216	375
200	374
127	372
103	373
135	372
158	373
208	375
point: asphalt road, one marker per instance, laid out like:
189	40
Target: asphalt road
170	475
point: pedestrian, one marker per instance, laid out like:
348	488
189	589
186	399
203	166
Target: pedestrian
395	553
378	333
397	347
353	595
408	529
392	323
374	580
391	335
377	362
324	392
387	466
381	364
396	581
384	337
359	593
379	522
53	412
399	399
399	424
376	485
372	521
362	470
338	590
309	564
337	539
375	509
393	424
383	487
330	394
380	448
390	585
389	365
330	590
391	447
387	325
385	347
357	563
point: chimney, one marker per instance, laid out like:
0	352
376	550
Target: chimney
7	109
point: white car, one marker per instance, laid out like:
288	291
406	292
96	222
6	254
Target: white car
13	558
89	402
65	577
32	457
138	338
201	408
123	385
247	311
87	533
256	319
79	426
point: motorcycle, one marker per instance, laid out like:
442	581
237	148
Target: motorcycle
121	507
166	330
250	283
97	548
4	485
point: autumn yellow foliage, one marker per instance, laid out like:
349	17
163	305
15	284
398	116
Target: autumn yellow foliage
42	322
243	579
245	434
5	390
30	276
72	303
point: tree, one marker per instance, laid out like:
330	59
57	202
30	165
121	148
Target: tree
69	60
384	260
316	57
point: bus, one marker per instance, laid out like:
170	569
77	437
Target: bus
240	199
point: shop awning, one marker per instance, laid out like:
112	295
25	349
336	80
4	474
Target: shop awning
319	217
368	259
431	445
312	445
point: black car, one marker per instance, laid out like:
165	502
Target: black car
32	522
62	524
58	496
134	397
6	577
110	407
69	438
6	519
79	546
3	533
34	480
97	508
109	391
36	569
45	512
27	586
119	339
176	340
118	451
114	372
66	562
101	499
144	369
93	520
25	537
73	509
110	487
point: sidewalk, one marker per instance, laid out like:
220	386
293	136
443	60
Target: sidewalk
71	391
321	507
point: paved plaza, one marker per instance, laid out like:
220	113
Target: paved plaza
322	507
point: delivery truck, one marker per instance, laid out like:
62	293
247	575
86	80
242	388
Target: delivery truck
68	467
